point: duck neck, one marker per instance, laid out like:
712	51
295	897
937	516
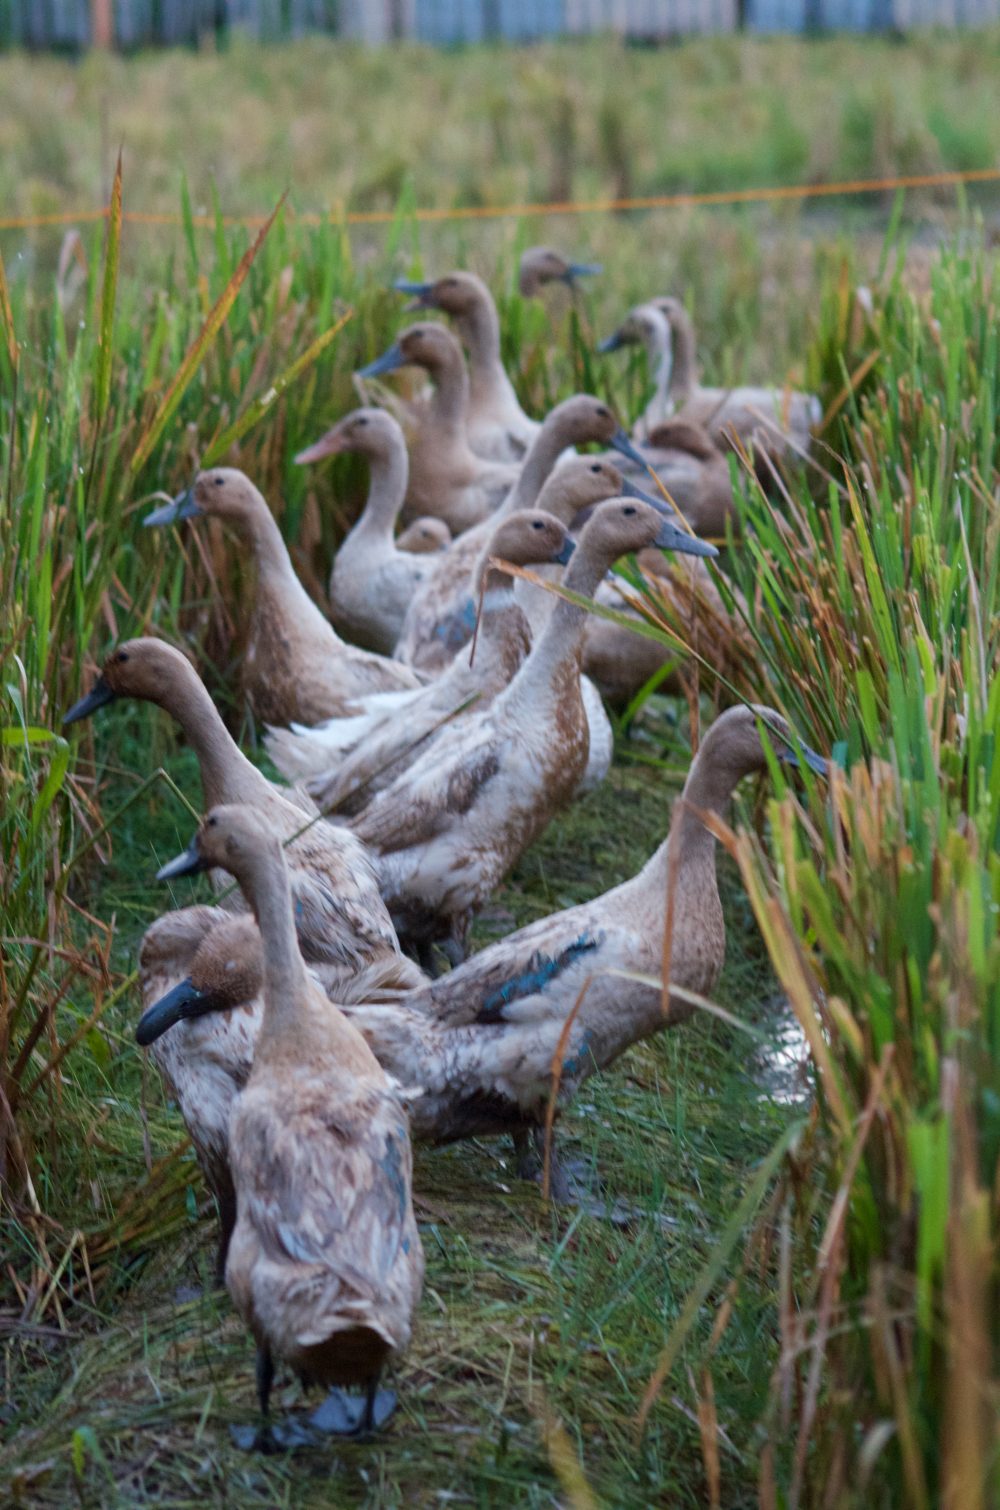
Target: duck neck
560	645
285	982
708	788
659	353
450	404
501	627
277	585
683	373
226	774
388	480
479	327
545	451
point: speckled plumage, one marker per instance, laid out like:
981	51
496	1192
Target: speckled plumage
372	579
325	1263
295	666
447	478
496	425
441	617
480	1041
348	761
340	917
449	828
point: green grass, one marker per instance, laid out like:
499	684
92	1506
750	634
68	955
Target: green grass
528	1313
874	621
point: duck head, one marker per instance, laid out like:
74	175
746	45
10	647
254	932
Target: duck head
735	744
426	345
577	486
223	492
138	668
228	838
456	294
226	972
543	264
584	420
424	536
646	325
365	432
531	537
624	526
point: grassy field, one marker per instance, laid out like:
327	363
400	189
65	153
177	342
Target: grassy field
820	1266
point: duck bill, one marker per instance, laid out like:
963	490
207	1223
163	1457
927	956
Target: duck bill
420	294
621	443
330	444
190	863
184	1001
582	270
389	361
611	343
672	538
99	696
632	490
181	507
810	757
562	556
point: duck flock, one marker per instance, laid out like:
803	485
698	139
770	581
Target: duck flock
307	1025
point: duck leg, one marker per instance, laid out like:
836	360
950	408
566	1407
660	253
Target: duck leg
264	1440
225	1196
566	1188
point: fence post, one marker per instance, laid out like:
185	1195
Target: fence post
102	26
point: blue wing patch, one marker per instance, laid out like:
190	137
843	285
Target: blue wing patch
542	969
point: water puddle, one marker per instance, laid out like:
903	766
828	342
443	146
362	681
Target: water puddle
783	1065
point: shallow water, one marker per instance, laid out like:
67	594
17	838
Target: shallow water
783	1065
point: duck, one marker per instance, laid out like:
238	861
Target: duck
315	755
543	264
295	665
775	419
441	616
695	473
496	425
447	478
341	918
618	662
190	960
426	536
325	1263
479	1043
346	762
372	580
447	831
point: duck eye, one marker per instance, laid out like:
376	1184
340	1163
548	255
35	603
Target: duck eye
596	467
602	412
212	822
218	481
537	525
121	656
628	511
362	420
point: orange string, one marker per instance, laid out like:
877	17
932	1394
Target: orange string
554	207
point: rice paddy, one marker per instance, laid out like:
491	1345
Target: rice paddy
788	1299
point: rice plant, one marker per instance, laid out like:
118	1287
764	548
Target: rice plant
827	1314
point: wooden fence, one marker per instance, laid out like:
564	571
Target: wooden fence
76	24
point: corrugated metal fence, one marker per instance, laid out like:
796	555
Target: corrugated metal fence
70	24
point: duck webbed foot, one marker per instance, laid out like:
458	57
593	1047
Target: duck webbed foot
338	1415
565	1186
344	1415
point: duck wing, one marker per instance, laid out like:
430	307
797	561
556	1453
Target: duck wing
324	1183
435	794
